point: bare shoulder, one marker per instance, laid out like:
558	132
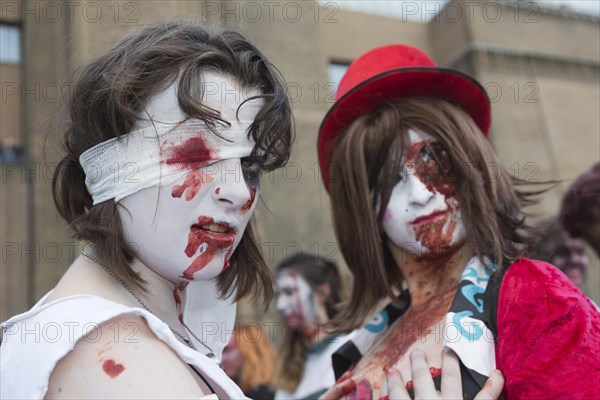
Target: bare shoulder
122	358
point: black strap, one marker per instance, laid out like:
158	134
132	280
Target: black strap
201	377
490	303
344	358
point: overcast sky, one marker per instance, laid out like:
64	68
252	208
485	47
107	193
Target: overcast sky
422	10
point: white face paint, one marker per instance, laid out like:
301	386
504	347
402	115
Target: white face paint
296	300
423	214
188	230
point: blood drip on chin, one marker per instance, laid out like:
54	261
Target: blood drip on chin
112	369
196	238
193	183
432	235
250	201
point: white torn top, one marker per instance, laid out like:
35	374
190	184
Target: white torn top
34	342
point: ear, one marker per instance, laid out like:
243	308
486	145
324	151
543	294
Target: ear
322	292
321	296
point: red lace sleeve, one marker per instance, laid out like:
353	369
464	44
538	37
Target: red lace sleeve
548	335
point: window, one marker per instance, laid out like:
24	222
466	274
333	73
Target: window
336	72
10	44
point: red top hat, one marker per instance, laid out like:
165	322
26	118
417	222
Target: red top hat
396	72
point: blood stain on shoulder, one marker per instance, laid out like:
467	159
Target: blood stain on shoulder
112	369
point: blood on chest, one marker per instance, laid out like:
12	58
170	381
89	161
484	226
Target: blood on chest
422	329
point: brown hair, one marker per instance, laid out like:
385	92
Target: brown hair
258	355
317	271
580	209
111	92
365	167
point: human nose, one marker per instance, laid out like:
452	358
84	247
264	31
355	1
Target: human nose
420	194
280	304
231	189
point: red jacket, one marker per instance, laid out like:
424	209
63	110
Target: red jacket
548	335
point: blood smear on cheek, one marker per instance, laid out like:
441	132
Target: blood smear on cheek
192	184
112	369
250	201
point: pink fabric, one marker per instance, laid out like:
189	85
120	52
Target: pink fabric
548	335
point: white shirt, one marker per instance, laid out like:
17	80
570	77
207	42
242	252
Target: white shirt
34	342
318	371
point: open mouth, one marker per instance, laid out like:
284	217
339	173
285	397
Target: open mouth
428	218
209	225
217	235
215	228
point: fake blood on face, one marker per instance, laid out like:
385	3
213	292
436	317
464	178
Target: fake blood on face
112	369
214	242
194	153
250	201
433	236
432	167
193	183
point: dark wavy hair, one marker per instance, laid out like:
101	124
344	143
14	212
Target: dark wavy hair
108	100
580	209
